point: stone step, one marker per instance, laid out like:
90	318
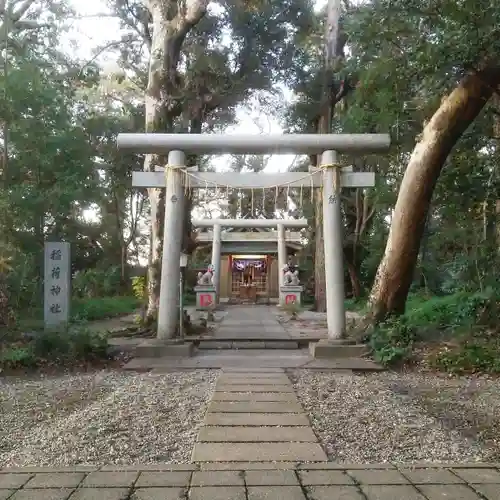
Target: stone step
258	452
254	407
256	419
242	434
325	349
257	343
254	396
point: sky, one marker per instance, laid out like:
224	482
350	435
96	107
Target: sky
92	32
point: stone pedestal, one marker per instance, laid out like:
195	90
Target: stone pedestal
159	348
205	297
291	294
337	348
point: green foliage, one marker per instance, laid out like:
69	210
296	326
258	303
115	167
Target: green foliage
479	354
17	357
392	341
467	320
102	307
447	312
90	283
56	347
139	287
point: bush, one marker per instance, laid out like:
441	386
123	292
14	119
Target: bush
17	357
450	311
139	287
102	307
97	282
472	354
57	346
392	342
466	318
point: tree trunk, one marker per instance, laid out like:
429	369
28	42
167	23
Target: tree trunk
355	282
331	52
172	21
456	113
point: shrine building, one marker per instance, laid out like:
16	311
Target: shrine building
254	249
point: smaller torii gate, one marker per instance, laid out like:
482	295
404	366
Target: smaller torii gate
218	224
329	176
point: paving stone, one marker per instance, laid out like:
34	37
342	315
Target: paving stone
378	476
150	467
335	493
4	494
153	479
236	369
214	493
255	344
243	466
393	492
242	434
479	475
257	452
101	494
276	493
56	480
215	344
158	494
271	478
431	476
254	388
257	419
489	491
339	466
44	494
324	477
237	379
449	492
281	344
35	470
14	481
254	396
447	465
110	479
217	478
254	407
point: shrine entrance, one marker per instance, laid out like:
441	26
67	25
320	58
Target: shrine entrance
249	270
331	176
248	255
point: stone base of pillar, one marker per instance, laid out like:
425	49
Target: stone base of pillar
291	294
342	348
157	348
206	297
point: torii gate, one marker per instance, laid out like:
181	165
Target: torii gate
328	176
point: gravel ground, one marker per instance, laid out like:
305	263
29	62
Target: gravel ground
102	418
402	417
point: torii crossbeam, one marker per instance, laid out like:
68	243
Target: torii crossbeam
329	176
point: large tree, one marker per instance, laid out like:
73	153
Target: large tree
455	55
197	75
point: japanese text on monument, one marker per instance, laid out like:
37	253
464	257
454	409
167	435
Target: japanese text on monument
57	283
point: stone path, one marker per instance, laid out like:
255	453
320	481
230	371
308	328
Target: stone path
254	482
254	416
256	444
251	322
250	337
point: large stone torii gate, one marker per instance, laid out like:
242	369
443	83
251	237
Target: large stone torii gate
328	176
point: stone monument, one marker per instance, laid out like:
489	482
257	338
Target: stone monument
205	289
57	284
291	289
